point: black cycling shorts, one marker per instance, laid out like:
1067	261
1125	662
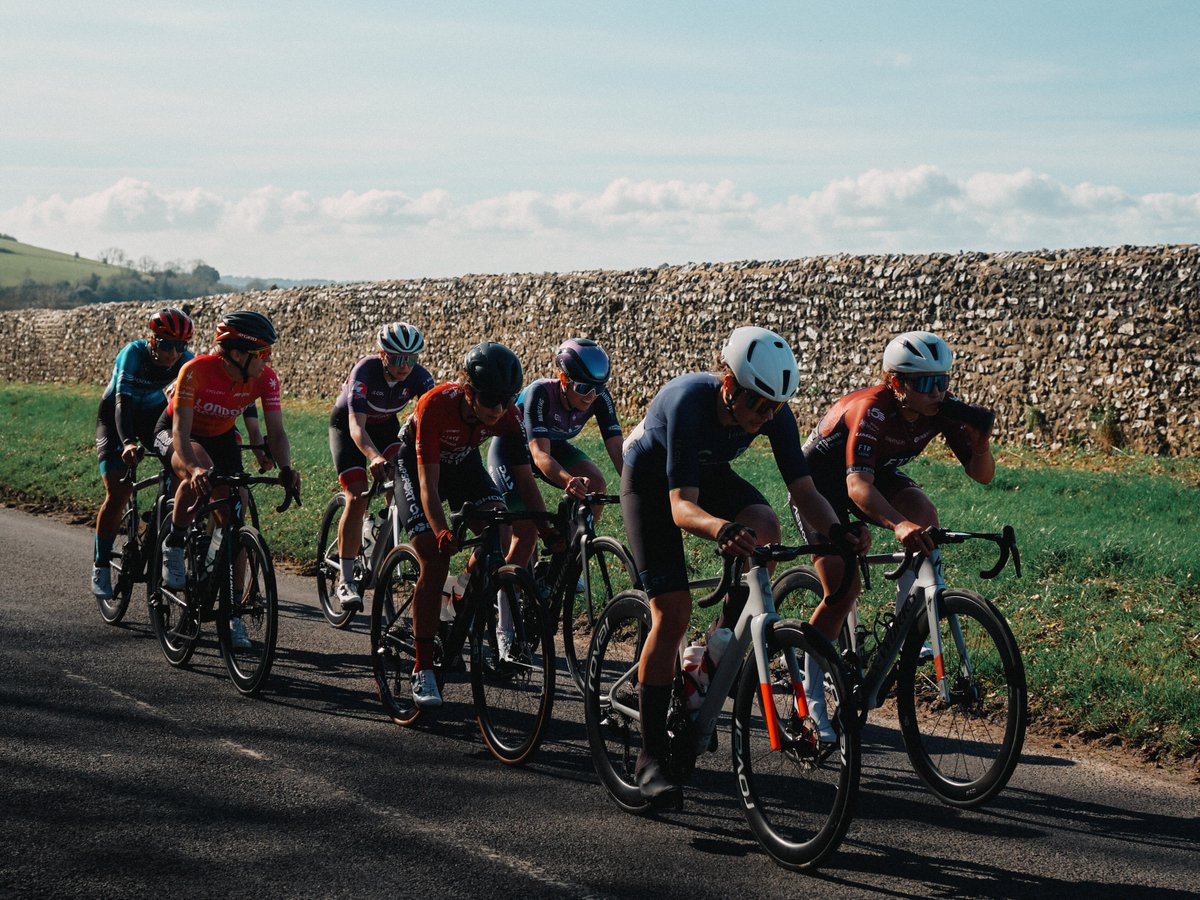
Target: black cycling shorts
349	461
655	541
459	483
223	449
888	482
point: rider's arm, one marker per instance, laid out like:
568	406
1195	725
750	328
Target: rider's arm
539	452
982	464
614	447
527	487
816	512
691	517
181	440
358	434
277	438
861	488
431	500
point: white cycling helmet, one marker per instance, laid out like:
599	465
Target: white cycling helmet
400	337
917	352
761	361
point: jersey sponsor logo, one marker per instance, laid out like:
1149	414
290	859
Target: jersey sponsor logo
864	449
876	413
359	388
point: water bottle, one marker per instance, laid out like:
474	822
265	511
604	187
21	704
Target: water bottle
370	530
696	674
450	590
214	546
718	642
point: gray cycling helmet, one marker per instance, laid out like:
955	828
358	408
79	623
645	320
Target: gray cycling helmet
400	337
917	353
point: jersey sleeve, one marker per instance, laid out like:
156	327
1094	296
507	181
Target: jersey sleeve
184	395
683	441
534	407
957	439
125	370
784	435
268	386
864	429
356	385
606	416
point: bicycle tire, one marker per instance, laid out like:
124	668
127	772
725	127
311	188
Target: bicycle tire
611	570
167	613
393	647
611	697
964	752
513	699
125	565
258	610
328	566
796	594
798	800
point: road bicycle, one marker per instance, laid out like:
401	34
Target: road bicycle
133	550
513	695
213	563
797	792
579	582
959	680
381	532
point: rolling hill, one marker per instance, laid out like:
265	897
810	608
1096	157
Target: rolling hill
23	262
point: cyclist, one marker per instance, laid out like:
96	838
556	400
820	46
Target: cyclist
364	434
439	460
856	451
129	409
196	433
554	411
678	478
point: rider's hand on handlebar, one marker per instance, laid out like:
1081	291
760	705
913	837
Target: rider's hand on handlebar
856	537
130	454
266	462
446	543
198	480
578	487
736	539
378	468
914	537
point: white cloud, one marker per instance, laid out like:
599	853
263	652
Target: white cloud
627	223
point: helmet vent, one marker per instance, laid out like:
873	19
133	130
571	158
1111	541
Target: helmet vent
787	377
750	350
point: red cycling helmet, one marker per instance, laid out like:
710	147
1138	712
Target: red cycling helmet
171	324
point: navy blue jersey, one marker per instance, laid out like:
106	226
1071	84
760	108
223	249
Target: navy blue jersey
681	434
367	390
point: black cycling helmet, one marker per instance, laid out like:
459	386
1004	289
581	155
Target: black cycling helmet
493	369
584	361
245	330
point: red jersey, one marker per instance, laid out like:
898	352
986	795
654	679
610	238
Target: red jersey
865	431
440	434
216	400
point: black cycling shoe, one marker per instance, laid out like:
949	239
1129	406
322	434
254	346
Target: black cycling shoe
657	789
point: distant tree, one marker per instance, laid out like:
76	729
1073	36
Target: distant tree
205	274
114	256
6	237
147	265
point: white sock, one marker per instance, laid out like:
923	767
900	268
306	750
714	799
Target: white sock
347	566
504	621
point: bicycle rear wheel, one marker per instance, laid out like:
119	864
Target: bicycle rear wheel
328	565
125	566
176	625
393	646
257	608
965	750
514	696
610	570
611	707
798	799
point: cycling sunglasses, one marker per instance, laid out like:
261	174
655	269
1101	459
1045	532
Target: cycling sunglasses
168	346
263	353
761	406
584	390
491	401
924	384
399	360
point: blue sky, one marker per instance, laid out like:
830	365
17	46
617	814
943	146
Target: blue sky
358	140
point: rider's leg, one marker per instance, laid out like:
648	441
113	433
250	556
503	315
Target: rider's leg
108	519
670	614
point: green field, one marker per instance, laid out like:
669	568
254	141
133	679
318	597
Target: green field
21	262
1107	613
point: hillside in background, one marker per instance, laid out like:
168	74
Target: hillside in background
21	263
34	277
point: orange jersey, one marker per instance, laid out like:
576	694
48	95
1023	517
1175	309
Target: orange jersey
215	399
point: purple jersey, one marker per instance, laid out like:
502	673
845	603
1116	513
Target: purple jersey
368	391
547	414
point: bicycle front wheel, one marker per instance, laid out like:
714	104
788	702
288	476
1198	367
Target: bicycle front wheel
125	566
328	565
256	607
799	795
611	707
514	693
610	570
393	645
964	750
175	623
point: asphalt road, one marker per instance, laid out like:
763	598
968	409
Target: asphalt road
120	776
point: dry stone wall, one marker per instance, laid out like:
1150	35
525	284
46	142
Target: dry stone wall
1074	346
